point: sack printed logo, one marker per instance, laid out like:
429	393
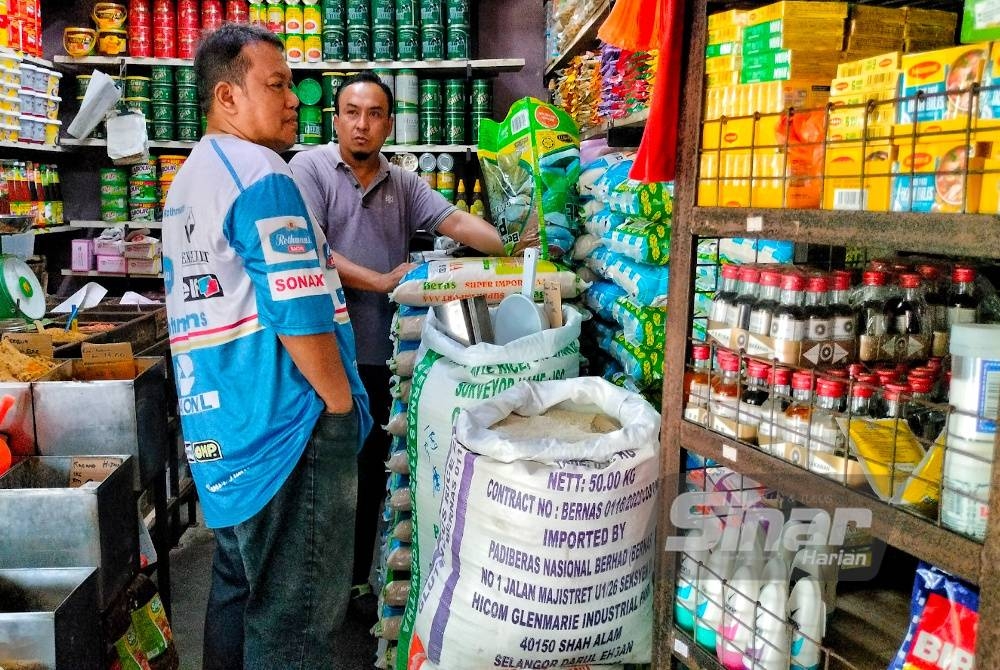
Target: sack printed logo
291	284
202	287
286	239
203	451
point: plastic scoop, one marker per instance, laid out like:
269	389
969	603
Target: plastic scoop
517	315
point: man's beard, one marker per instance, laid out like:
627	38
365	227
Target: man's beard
362	155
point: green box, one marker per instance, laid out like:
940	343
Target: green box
980	21
722	49
767	60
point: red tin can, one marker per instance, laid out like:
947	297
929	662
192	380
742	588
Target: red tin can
188	15
164	14
237	11
187	43
165	42
140	14
211	15
140	41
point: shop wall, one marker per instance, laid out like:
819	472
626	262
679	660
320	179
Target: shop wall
514	29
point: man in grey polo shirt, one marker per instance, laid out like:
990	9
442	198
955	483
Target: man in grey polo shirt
370	210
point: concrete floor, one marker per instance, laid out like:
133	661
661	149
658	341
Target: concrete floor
191	568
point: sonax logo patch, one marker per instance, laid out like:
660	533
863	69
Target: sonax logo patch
291	284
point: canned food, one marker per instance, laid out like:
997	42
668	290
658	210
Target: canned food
312	21
163	111
187	42
188	132
431	128
446	193
407	87
162	93
237	12
445	180
406	12
408	161
445	163
188	114
313	45
407	125
170	165
383	43
432	42
163	131
258	14
482	95
334	44
454	128
430	95
143	211
294	48
383	13
114	215
110	191
162	74
146	190
457	12
82	82
454	95
329	132
293	20
334	15
187	94
387	78
275	20
141	105
112	42
211	14
188	17
430	178
458	42
113	176
358	46
329	84
185	76
431	13
357	13
476	118
140	41
310	124
408	42
164	42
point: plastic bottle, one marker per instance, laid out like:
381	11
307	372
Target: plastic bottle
718	568
477	207
808	611
687	588
737	626
771	639
460	201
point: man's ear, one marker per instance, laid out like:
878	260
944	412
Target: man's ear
223	97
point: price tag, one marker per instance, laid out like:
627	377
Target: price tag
755	224
106	361
729	452
680	647
32	344
86	469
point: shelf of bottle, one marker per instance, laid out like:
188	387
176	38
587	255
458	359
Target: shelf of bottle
582	41
152	225
635	119
913	534
95	273
475	64
956	234
24	146
388	149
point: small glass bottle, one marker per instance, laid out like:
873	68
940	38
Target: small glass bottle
859	406
819	320
824	431
937	310
724	397
752	399
844	317
726	294
772	412
962	300
873	381
926	421
738	315
698	385
789	321
762	310
799	412
906	313
871	315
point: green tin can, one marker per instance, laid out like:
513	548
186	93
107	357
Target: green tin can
114	176
82	82
163	111
329	132
383	13
334	44
454	96
143	171
431	13
147	190
430	95
431	41
330	83
187	94
141	105
162	93
446	193
406	12
188	114
114	201
357	14
309	91
109	191
431	128
476	118
334	14
482	95
408	42
188	132
358	44
407	88
163	131
162	74
184	76
383	43
454	128
310	124
457	12
137	87
457	39
114	215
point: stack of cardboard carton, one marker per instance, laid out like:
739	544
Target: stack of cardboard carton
928	29
873	30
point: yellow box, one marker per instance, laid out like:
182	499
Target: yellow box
851	123
931	18
860	83
708	184
796	9
872	43
723	34
989	100
722	63
940	75
737	188
734	17
989	196
877	15
938	176
845	188
723	78
886	96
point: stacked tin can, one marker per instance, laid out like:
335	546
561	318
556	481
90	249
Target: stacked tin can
164	29
389	79
383	16
445	165
143	192
138	98
188	113
169	165
431	120
188	27
407	122
407	30
457	34
482	104
114	195
140	29
334	27
162	104
312	31
310	94
358	31
454	111
211	15
431	30
329	84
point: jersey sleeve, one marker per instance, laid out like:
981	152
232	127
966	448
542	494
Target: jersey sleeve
428	208
269	228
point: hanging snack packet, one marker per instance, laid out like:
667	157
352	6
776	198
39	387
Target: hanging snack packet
531	165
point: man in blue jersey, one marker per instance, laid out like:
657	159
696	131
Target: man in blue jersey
272	408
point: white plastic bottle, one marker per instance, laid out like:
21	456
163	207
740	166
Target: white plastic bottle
770	650
687	588
807	609
737	626
719	567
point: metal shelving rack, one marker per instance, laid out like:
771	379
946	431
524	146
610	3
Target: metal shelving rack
582	40
443	66
951	234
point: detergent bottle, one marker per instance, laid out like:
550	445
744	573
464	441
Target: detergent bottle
735	632
808	611
719	567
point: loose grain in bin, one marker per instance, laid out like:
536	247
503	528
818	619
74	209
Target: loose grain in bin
568	425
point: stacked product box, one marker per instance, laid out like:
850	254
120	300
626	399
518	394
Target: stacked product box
928	29
873	30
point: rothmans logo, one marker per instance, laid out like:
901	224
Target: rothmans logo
292	240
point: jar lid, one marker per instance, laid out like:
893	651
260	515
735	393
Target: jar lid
802	380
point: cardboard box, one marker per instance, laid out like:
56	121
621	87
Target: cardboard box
785	64
708	180
989	96
857	177
144	266
935	20
111	264
943	77
748	180
722	49
980	21
733	17
797	9
721	79
147	249
82	255
821	42
937	173
723	34
989	197
722	63
869	81
104	247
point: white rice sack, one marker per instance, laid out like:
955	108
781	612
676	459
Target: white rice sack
450	377
406	328
642	241
603	222
584	245
547	532
438	282
593	171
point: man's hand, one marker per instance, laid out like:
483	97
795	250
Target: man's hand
391	279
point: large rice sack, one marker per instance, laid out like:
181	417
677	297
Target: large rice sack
448	378
545	557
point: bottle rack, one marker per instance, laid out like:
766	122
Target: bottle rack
969	235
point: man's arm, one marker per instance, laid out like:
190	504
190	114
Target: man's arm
318	359
472	231
361	278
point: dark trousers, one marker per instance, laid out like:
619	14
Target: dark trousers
280	579
371	470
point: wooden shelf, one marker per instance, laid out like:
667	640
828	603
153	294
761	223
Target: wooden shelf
24	146
52	229
388	148
152	225
956	234
95	273
475	65
582	41
635	119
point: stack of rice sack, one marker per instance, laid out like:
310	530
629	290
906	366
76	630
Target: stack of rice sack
393	571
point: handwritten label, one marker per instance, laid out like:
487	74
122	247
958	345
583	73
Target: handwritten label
553	303
113	361
113	352
32	344
86	469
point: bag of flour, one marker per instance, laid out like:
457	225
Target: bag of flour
548	514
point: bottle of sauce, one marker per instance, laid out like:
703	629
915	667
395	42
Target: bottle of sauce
763	308
819	320
844	318
724	398
871	315
799	412
698	385
962	301
726	295
738	315
789	321
772	411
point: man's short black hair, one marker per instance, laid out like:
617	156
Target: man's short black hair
219	57
364	77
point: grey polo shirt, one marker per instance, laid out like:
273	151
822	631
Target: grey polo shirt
372	228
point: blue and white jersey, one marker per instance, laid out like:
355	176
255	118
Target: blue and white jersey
244	263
